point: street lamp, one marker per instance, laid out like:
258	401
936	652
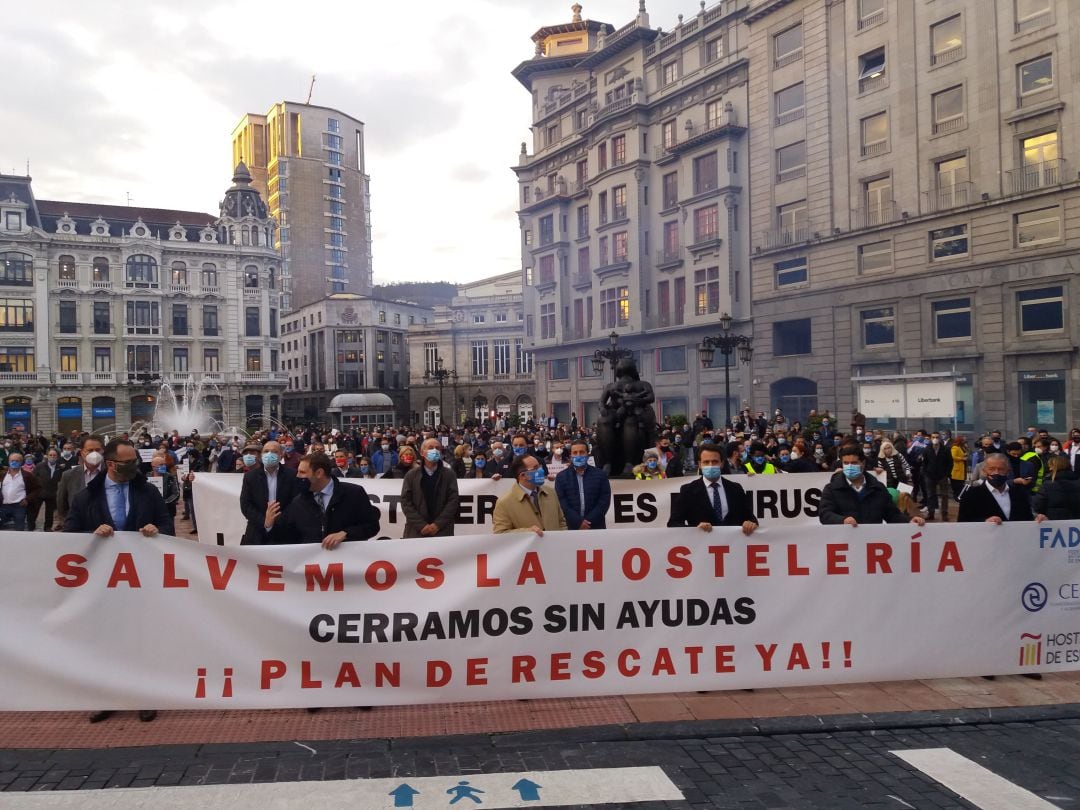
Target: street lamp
614	355
727	344
440	375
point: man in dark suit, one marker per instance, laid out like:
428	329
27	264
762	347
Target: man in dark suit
429	495
20	492
329	512
711	500
584	491
852	497
272	482
74	481
48	473
996	500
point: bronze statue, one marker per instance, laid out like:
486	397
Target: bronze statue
627	421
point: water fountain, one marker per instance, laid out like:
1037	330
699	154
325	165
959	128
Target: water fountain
184	409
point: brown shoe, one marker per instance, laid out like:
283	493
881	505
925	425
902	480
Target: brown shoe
147	715
97	717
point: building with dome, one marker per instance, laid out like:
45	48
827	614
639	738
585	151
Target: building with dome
101	306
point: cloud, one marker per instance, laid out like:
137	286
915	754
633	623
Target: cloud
469	173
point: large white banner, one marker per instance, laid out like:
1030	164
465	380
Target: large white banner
634	504
131	622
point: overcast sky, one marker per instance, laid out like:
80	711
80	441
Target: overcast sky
114	97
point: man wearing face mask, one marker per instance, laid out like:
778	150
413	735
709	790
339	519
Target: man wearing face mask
74	481
19	492
998	499
324	511
757	463
266	484
120	500
937	464
48	475
527	506
584	492
67	457
429	495
385	458
712	499
852	496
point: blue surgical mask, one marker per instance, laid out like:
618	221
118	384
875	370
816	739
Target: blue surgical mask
579	461
651	464
711	472
497	452
759	459
162	469
15	465
538	476
480	463
249	459
270	459
364	468
784	459
519	451
853	471
434	456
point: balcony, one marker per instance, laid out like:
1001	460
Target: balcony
13	378
176	288
668	258
787	58
873	215
789	116
947	56
1036	176
872	83
68	378
869	20
205	290
946	197
949	125
252	292
67	284
101	285
781	237
874	149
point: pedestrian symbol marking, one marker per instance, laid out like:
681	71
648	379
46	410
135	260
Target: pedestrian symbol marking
403	795
527	789
622	787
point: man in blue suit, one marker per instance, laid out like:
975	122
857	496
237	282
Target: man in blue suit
584	492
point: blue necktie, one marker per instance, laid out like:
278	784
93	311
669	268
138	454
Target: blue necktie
717	506
120	515
319	496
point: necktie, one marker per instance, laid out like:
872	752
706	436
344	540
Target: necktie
534	496
718	507
120	515
320	499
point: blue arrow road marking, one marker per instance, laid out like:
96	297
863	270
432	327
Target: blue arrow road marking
403	795
528	790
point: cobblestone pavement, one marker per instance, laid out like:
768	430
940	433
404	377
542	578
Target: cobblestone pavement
783	766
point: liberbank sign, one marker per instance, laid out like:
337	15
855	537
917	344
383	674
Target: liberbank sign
910	398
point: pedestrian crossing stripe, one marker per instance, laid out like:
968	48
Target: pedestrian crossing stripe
594	786
971	781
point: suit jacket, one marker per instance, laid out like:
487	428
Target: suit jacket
32	486
693	505
417	509
597	497
514	512
90	508
49	481
255	497
71	484
875	505
226	460
350	510
977	504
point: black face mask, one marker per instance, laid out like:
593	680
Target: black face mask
125	470
998	481
303	484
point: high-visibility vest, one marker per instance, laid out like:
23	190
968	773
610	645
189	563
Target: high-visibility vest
1040	469
769	469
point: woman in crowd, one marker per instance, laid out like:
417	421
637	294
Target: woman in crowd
896	467
162	467
406	461
1059	496
959	466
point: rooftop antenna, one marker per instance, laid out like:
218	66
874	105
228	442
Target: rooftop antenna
311	89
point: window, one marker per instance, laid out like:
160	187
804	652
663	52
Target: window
559	369
16	359
671	190
583	263
875	257
791	337
547	321
671	358
16	270
180	363
141	271
949	243
524	359
790	271
671	241
787	46
1035	77
601	157
1031	14
273	323
66	267
1040	149
210	360
251	277
546	275
143	318
254	360
1038	227
706	177
791	162
614	307
618	203
878	327
502	357
678	308
382	318
603	245
102	318
706	224
714	49
144	359
669	72
668	134
875	134
872	71
946	41
618	150
871	12
619	247
952	319
878	196
180	319
210	320
102	359
789	103
1041	310
179	274
69	359
209	277
251	322
707	291
480	317
68	319
713	115
500	317
791	221
547	231
951	183
948	110
582	172
583	221
13	221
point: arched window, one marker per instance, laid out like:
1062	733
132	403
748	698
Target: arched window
101	269
142	271
67	268
251	277
179	274
209	276
16	269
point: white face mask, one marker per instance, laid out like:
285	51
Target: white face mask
94	458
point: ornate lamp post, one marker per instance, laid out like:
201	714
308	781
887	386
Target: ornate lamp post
613	355
727	344
440	375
